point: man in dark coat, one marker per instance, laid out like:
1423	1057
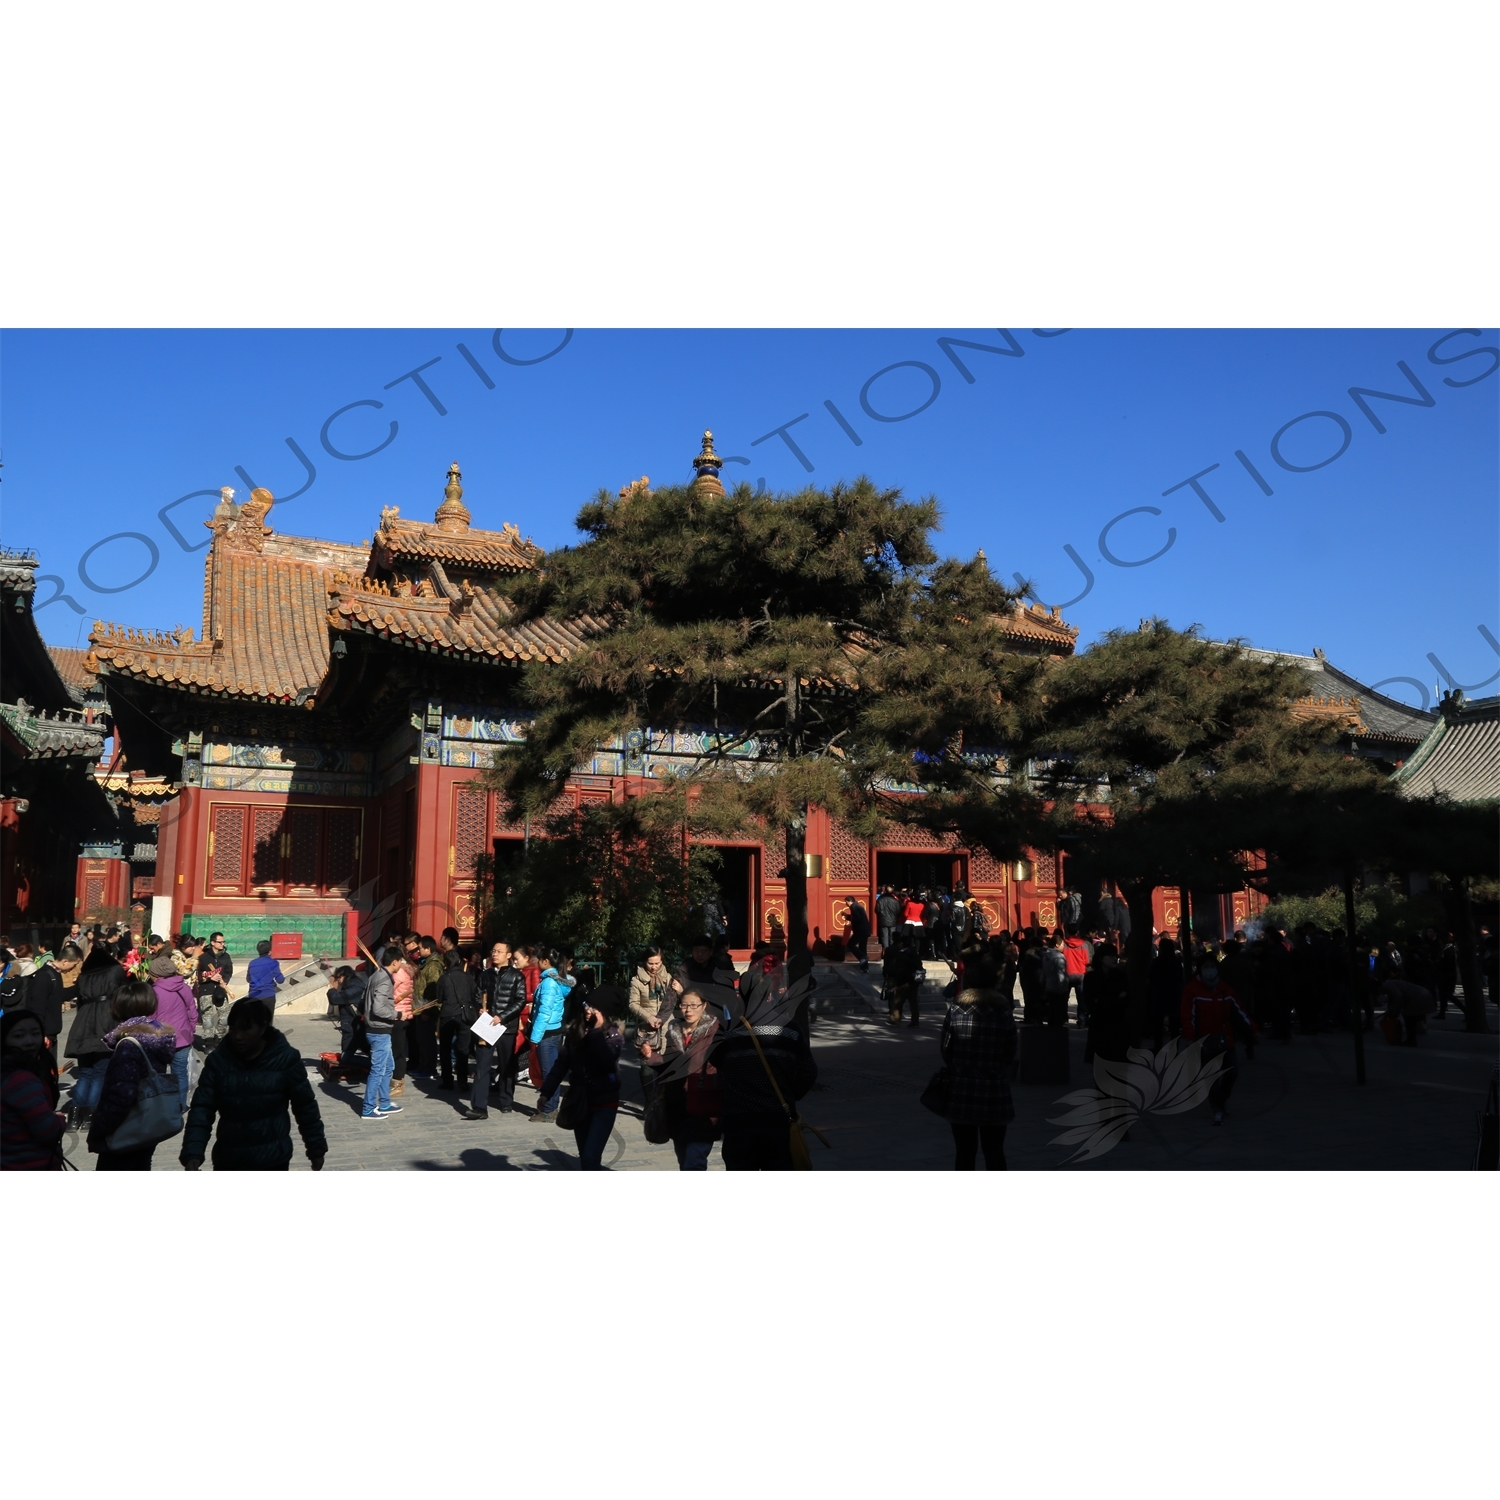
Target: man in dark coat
248	1084
502	994
1273	982
859	932
98	979
458	997
1069	908
901	970
887	915
1114	912
1166	979
347	993
757	1128
44	999
1106	992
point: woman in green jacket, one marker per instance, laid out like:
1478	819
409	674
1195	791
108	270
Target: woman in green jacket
249	1083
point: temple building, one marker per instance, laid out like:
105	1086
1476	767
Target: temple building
310	761
55	821
322	732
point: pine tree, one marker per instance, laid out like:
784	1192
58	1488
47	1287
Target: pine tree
607	878
787	626
1155	756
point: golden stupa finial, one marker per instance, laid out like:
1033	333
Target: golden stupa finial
707	464
453	514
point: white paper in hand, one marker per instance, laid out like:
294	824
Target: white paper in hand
488	1029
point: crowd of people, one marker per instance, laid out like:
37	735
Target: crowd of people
146	1014
724	1056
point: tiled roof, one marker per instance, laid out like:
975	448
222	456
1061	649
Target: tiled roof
265	630
270	602
446	617
1460	758
1035	622
1336	694
61	736
417	541
71	668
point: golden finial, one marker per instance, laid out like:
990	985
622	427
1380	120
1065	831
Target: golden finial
707	464
452	514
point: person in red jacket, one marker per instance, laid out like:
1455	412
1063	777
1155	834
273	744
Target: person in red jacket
1077	955
1211	1010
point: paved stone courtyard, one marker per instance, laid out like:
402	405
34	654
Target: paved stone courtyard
1294	1106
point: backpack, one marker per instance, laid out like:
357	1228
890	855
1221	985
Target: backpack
13	989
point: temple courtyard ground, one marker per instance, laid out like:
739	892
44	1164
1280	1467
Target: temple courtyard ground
1295	1107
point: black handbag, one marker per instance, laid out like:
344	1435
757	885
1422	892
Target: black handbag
938	1093
573	1111
655	1121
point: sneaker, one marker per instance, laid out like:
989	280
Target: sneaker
371	1114
475	1114
388	1109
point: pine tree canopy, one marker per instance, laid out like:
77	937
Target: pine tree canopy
816	634
1146	749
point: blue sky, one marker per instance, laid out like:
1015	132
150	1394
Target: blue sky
1382	556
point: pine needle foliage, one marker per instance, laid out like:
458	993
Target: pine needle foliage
605	880
815	634
1155	756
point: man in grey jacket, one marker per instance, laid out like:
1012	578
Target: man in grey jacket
1055	979
380	1021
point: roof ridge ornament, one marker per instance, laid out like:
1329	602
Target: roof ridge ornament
453	514
244	529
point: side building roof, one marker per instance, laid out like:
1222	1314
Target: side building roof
1366	713
1459	760
271	604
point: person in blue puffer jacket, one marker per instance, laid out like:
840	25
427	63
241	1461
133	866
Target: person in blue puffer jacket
547	1023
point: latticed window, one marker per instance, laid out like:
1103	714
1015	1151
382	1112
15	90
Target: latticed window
470	815
226	850
850	856
341	866
303	828
304	851
266	843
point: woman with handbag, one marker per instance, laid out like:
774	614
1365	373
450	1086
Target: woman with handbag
590	1061
686	1102
140	1052
653	992
99	976
31	1129
978	1046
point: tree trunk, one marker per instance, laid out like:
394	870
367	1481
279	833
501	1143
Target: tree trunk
1461	914
1355	978
1138	954
797	957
